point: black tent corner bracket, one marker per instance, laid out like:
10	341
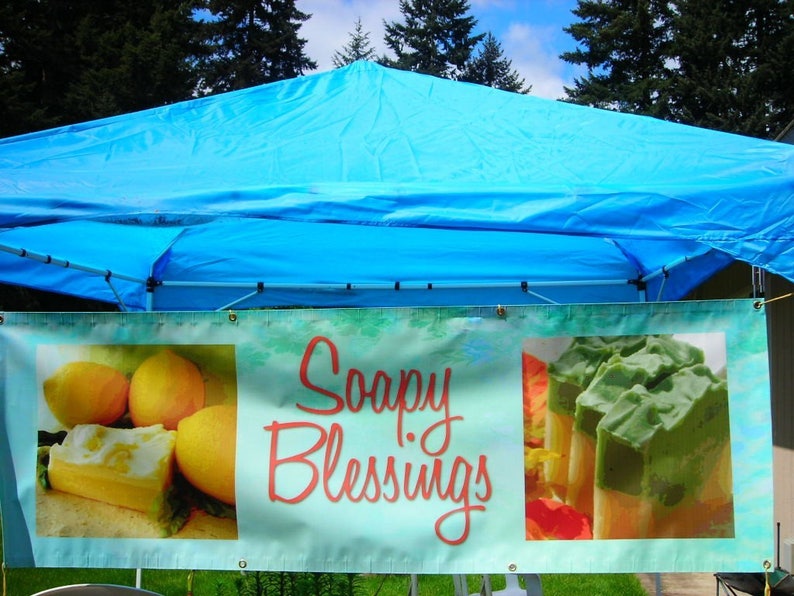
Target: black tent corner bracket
641	284
151	283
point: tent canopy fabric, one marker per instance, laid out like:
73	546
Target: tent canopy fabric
348	187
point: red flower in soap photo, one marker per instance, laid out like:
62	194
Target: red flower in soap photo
627	437
550	519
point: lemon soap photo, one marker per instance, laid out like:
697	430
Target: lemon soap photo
137	441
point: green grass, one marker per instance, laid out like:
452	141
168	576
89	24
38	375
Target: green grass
23	582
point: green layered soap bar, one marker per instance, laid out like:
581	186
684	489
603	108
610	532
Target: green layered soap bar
573	371
660	357
662	443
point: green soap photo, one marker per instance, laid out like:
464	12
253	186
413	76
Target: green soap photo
573	371
660	357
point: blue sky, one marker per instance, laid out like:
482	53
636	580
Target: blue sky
530	32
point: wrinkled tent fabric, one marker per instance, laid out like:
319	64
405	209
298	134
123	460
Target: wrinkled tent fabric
367	186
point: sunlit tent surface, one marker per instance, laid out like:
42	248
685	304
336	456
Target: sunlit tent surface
368	186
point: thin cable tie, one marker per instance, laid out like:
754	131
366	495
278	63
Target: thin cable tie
759	303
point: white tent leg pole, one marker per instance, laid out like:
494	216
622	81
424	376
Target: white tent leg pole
486	590
413	587
138	576
460	585
122	306
532	584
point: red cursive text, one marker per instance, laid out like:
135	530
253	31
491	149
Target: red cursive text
461	482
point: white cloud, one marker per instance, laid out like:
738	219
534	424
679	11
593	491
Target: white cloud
332	21
532	49
535	57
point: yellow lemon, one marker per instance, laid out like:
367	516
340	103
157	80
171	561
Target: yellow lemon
206	444
164	389
86	393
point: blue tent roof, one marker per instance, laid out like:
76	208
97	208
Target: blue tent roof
367	186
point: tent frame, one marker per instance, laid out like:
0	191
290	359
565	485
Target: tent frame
255	288
66	264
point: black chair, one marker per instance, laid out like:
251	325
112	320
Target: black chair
781	583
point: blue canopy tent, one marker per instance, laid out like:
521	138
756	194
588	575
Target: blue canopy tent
368	186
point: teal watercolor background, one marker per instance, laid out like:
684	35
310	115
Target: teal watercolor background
481	349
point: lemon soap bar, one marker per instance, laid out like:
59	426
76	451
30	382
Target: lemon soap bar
125	467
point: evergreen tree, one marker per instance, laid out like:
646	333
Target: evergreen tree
135	55
37	61
719	64
357	48
625	45
734	65
490	67
254	42
65	61
436	37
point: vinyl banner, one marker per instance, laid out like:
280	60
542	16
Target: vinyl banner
533	439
